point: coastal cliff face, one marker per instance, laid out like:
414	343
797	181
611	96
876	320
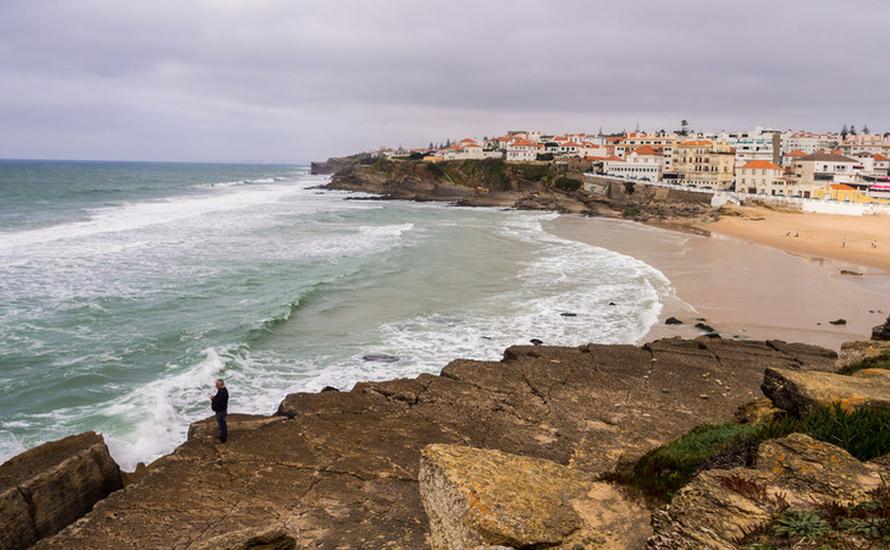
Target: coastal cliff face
48	487
556	186
341	469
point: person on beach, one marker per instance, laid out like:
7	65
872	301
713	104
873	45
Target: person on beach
219	403
844	243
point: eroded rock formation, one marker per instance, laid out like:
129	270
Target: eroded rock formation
48	487
340	469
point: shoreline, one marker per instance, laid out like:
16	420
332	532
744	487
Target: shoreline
744	289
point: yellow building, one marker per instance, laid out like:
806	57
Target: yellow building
842	192
704	163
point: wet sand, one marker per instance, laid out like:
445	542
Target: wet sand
744	289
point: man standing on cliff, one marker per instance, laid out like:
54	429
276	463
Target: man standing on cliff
220	404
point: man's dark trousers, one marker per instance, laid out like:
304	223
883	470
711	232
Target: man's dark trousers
221	422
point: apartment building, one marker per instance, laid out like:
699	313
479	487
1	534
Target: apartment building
704	163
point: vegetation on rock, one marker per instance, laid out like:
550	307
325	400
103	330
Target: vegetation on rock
828	525
661	472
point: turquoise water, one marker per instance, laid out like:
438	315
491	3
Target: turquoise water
126	288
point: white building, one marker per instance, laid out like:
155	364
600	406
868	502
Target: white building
819	170
808	142
643	163
522	150
760	177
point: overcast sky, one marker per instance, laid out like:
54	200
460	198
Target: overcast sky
269	80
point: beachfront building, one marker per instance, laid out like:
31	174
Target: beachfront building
522	150
643	163
841	192
704	163
761	177
808	142
819	170
757	144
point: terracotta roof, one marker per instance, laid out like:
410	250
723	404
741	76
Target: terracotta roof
761	164
796	153
646	150
613	158
525	143
879	157
841	187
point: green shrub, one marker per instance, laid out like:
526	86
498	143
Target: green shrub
881	361
864	433
567	184
800	524
829	524
662	471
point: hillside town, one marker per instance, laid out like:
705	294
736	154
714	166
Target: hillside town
849	166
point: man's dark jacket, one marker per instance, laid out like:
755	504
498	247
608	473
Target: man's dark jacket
220	401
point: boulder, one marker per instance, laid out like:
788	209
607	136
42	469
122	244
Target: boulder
380	358
719	507
704	326
838	322
50	486
480	497
881	332
673	321
856	352
801	391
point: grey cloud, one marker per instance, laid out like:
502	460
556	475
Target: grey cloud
293	81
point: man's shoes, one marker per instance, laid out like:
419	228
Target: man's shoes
221	440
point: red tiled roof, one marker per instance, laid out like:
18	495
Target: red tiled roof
761	164
646	150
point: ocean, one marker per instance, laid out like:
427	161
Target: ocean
127	288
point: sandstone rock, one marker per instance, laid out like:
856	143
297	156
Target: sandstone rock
856	352
48	487
272	539
479	497
719	507
340	469
208	430
799	392
757	411
673	321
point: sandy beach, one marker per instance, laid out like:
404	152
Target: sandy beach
747	290
819	235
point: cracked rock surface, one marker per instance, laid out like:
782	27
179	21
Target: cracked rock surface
340	469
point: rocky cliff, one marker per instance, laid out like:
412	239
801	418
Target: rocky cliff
48	487
341	469
554	186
